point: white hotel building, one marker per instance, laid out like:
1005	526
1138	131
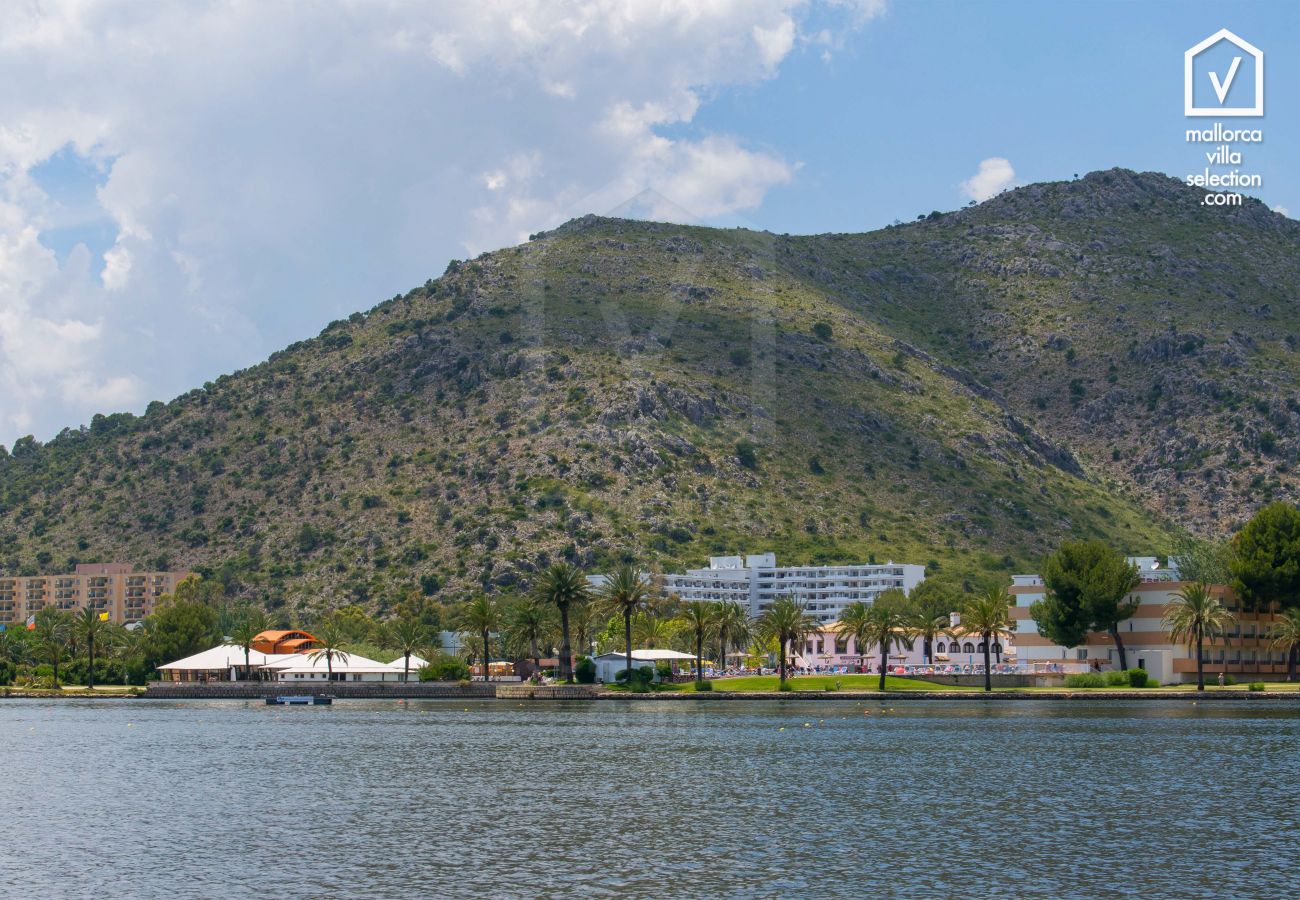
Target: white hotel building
755	581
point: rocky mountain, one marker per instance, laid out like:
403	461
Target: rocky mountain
1103	356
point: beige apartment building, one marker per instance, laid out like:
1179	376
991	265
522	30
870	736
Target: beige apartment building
1247	652
116	588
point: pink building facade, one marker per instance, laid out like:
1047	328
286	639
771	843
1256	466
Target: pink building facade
829	651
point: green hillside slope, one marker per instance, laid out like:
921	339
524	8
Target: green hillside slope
1099	357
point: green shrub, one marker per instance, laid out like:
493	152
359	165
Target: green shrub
1138	678
747	454
1228	679
1151	682
704	686
1257	686
33	679
7	672
445	668
823	331
642	676
1116	679
106	672
1086	680
785	686
585	671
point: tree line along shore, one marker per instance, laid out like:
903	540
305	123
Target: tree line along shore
552	631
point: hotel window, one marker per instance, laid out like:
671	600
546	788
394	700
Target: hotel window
939	647
967	647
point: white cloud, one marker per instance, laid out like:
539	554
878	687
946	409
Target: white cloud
271	167
1281	209
775	42
995	174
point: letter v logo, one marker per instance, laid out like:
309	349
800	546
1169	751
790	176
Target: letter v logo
1221	89
1223	86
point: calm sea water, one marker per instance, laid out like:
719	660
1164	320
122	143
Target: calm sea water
672	799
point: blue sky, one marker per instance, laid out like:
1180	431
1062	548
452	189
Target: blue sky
890	127
186	189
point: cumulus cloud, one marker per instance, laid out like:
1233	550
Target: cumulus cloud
995	175
268	167
1282	209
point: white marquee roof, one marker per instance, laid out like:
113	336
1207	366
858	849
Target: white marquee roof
222	656
302	662
647	655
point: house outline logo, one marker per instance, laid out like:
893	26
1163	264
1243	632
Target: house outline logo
1221	87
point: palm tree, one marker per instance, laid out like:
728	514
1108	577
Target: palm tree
126	644
52	635
786	621
988	615
482	616
1194	616
583	622
885	624
250	623
1285	635
90	626
406	634
855	622
731	622
929	629
330	640
564	586
11	647
650	630
697	616
528	622
625	593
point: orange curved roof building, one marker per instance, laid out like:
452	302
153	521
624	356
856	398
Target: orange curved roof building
292	641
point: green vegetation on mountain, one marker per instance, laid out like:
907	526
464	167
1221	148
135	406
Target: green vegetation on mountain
1102	358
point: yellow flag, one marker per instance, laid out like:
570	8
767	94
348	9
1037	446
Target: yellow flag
103	617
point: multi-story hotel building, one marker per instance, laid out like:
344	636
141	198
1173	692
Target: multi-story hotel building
755	581
1147	643
126	595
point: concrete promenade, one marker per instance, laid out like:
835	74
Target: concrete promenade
524	691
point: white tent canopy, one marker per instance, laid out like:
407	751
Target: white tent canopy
658	654
222	656
304	662
222	661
